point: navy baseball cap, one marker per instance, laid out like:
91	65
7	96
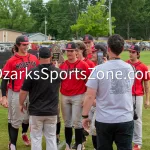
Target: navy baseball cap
22	40
99	47
71	46
87	38
44	52
134	48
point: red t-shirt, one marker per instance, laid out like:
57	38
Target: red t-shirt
71	85
15	69
89	62
138	88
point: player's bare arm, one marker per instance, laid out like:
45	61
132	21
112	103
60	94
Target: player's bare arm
22	97
87	104
147	90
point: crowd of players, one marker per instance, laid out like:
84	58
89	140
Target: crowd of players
40	99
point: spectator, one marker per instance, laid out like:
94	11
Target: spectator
114	105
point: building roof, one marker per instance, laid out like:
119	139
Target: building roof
12	30
34	34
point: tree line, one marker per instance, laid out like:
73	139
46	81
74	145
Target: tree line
67	19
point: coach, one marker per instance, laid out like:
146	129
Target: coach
43	98
114	105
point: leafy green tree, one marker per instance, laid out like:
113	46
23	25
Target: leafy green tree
94	21
63	14
38	12
127	13
15	15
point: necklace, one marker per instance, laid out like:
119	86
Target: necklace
114	58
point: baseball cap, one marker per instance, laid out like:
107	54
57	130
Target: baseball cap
44	52
134	48
99	47
88	37
71	46
22	40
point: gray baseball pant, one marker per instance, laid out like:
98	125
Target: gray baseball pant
137	134
72	110
15	117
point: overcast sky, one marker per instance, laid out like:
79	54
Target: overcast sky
45	1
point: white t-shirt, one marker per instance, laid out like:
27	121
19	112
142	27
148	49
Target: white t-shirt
113	81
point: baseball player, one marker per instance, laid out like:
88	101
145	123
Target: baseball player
72	90
98	48
88	40
82	54
14	71
138	92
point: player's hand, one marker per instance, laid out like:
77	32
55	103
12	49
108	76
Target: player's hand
86	123
4	102
56	64
22	108
104	59
147	104
94	103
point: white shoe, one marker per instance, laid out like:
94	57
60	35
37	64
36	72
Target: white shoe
12	147
67	147
79	147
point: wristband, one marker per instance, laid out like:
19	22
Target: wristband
85	116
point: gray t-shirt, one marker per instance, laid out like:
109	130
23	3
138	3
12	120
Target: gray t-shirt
113	81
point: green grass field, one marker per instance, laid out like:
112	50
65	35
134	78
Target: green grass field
145	57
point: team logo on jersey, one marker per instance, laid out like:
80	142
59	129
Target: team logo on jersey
21	65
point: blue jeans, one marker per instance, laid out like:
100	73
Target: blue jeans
120	133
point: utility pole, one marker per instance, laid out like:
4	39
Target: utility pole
110	22
45	27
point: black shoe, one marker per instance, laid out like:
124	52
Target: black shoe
58	141
85	133
83	139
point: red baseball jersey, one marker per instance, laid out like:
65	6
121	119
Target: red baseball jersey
138	88
89	62
71	85
89	56
16	69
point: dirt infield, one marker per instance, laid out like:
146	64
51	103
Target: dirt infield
149	67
